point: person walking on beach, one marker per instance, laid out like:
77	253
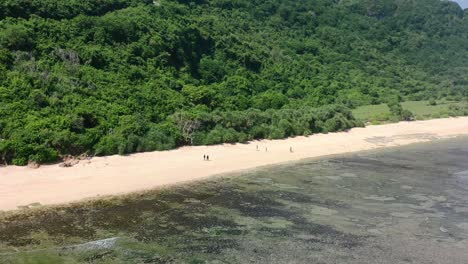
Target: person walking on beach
204	157
257	147
290	149
266	149
207	157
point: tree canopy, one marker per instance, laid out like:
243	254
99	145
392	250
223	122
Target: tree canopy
121	76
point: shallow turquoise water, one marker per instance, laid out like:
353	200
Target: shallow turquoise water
402	205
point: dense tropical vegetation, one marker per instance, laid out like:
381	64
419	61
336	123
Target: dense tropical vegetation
121	76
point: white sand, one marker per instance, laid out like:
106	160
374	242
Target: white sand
112	175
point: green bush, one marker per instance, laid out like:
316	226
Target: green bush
395	108
276	133
407	115
109	145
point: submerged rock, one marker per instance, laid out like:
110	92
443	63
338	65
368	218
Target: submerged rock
108	243
379	198
443	229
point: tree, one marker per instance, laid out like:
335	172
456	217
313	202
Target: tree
187	124
198	94
270	99
6	151
17	37
395	108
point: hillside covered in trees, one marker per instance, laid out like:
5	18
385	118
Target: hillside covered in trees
122	76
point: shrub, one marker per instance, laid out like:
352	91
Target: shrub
276	133
395	108
109	145
407	115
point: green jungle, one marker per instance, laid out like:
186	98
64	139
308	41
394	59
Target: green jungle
122	76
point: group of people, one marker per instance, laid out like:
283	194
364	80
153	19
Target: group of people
266	149
206	157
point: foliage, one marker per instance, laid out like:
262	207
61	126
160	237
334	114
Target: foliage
122	76
420	110
407	115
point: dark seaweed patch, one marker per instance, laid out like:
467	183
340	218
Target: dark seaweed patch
71	223
177	222
325	234
290	196
303	198
208	245
372	163
252	205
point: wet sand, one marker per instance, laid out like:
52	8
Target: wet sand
114	175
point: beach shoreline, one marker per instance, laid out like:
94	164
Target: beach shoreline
118	175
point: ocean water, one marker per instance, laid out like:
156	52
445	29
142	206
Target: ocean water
399	205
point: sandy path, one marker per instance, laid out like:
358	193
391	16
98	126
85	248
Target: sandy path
52	184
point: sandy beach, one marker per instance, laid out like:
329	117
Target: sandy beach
114	175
